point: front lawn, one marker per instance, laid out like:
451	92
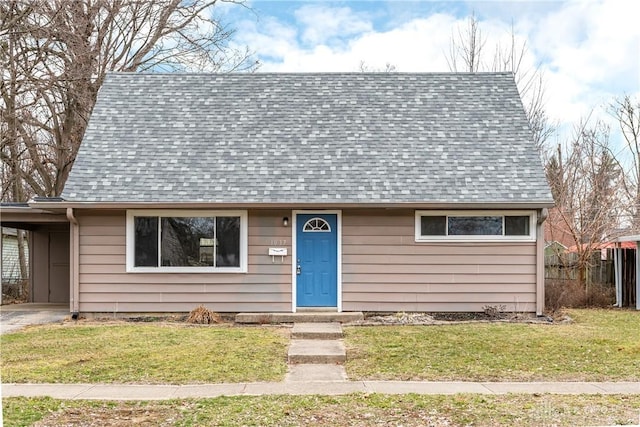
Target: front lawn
600	345
350	410
144	353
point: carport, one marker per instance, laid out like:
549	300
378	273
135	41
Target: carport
627	291
49	254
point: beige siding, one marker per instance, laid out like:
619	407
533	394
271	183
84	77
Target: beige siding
384	269
105	286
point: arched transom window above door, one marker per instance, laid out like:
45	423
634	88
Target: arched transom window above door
316	225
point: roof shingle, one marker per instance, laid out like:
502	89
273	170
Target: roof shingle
308	138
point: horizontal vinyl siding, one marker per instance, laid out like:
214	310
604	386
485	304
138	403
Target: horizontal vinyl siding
11	260
105	286
384	269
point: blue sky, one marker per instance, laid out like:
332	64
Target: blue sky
588	51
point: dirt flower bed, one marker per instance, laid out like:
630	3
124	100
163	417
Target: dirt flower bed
402	318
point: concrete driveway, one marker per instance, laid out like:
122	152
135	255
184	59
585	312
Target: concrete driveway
16	316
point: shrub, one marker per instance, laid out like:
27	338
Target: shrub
572	294
203	315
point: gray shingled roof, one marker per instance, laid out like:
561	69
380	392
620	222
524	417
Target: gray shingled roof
308	138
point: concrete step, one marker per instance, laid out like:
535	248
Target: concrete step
305	317
317	331
304	373
317	352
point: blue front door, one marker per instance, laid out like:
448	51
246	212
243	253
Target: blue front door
317	260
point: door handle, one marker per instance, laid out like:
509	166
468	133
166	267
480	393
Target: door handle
298	268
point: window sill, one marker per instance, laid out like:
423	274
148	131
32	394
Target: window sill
483	239
190	270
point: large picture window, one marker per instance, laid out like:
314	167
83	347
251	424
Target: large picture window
186	241
475	225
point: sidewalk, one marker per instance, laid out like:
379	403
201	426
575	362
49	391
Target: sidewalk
164	392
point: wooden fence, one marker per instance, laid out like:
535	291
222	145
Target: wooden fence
565	267
599	270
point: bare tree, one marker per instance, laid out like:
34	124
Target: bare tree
366	68
466	47
584	177
54	56
626	111
467	53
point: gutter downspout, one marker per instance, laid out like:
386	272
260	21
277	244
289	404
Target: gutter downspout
542	216
74	264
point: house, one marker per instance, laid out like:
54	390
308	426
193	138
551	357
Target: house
557	235
11	273
286	192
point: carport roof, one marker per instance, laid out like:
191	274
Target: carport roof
21	215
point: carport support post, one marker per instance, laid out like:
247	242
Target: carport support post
637	275
616	273
74	264
1	253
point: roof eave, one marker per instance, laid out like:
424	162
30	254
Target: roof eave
17	215
290	205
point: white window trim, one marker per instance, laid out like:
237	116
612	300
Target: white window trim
529	238
316	231
244	246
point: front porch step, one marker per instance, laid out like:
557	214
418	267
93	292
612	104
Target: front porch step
308	317
317	352
316	331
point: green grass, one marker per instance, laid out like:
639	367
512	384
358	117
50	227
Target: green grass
349	410
600	345
143	353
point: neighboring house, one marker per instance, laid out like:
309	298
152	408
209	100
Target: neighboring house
11	256
553	248
557	235
285	192
602	247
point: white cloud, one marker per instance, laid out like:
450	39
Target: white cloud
589	51
412	47
415	46
593	54
321	24
269	37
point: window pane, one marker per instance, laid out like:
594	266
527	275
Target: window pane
146	241
516	225
186	242
228	229
475	226
433	225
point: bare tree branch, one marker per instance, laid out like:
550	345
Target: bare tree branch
468	46
584	177
54	56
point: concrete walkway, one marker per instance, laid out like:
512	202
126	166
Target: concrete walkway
338	387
